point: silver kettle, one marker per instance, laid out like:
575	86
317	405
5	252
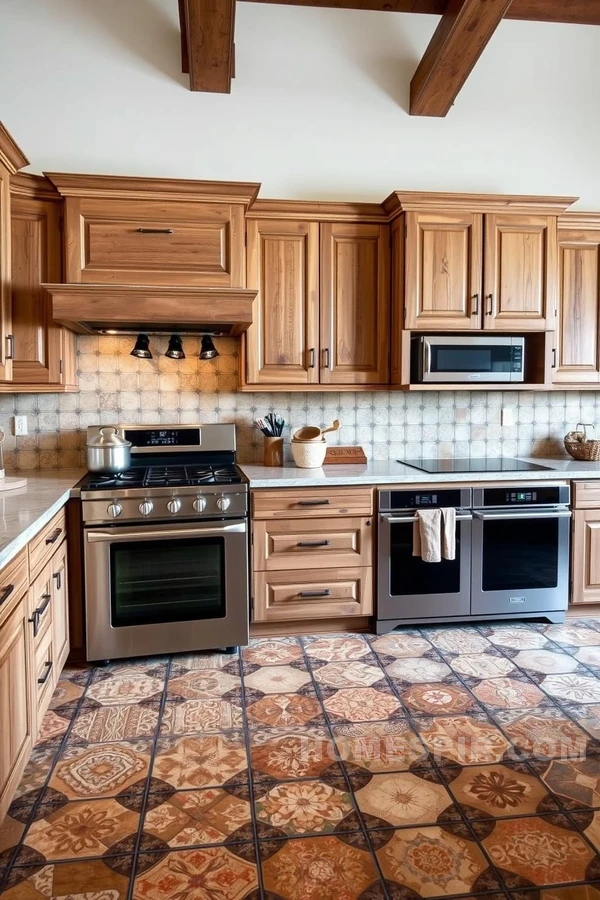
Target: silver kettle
106	451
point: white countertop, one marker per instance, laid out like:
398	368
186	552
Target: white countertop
24	512
393	472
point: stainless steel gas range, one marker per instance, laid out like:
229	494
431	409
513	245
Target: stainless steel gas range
166	545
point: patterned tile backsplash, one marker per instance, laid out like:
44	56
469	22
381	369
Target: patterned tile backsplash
116	387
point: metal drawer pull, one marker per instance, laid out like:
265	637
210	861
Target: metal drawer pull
475	310
324	593
6	593
39	612
58	578
512	515
54	536
10	346
46	675
393	520
313	544
155	230
314	502
490	298
311	357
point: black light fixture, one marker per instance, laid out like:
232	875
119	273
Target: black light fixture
142	347
208	349
175	348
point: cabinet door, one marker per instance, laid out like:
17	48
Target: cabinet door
283	266
16	733
5	266
60	608
520	272
443	271
578	307
36	258
585	556
355	304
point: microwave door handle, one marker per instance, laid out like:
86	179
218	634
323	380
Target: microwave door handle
427	357
393	520
528	514
130	534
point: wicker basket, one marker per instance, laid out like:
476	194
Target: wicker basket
579	446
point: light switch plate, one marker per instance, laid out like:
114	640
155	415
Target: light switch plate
20	425
508	415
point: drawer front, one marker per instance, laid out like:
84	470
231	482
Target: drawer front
40	604
46	542
151	242
312	594
14	579
43	673
302	503
586	494
318	543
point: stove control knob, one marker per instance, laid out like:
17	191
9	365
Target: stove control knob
146	507
114	509
174	505
199	504
223	503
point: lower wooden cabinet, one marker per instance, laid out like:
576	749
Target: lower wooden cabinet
312	594
585	556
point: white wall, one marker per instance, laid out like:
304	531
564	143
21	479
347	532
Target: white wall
318	108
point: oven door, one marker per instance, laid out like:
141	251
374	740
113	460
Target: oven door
411	589
164	588
520	561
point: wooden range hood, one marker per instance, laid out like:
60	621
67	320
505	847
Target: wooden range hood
93	308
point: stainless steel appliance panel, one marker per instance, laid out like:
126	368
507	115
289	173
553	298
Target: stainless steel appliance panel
470	359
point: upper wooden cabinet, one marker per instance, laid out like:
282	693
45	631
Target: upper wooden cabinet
472	262
154	231
321	316
577	351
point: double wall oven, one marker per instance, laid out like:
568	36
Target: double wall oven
166	546
512	556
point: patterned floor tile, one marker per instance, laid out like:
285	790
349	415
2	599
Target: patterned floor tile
115	723
362	705
287	754
573	635
458	640
318	868
100	770
36	772
538	850
302	808
222	873
434	861
515	637
467	740
589	656
11	832
380	746
188	818
509	693
336	649
54	725
587	716
352	673
192	661
576	782
201	716
273	652
401	644
545	662
90	879
80	829
66	693
575	892
278	679
119	690
394	799
418	670
203	684
206	761
482	665
497	791
285	711
543	733
438	699
574	688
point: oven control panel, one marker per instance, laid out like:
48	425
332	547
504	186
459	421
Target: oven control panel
411	499
165	506
522	495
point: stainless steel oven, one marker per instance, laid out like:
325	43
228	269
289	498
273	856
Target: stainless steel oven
468	358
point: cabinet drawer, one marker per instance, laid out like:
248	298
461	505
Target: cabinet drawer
14	579
43	673
46	542
312	594
40	604
586	494
301	503
317	543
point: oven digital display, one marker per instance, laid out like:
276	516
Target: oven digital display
426	500
164	437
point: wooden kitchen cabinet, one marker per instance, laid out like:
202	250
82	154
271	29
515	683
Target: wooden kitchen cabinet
60	606
577	351
585	543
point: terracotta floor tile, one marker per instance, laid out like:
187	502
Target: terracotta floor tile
438	699
306	807
54	725
294	753
362	704
201	716
193	661
574	688
334	649
420	670
100	770
352	673
497	791
187	818
405	798
93	878
318	868
278	679
115	723
36	771
575	892
222	873
380	746
204	761
203	684
458	640
537	851
66	693
576	781
273	651
509	693
515	637
545	662
285	711
573	635
543	733
401	644
130	687
482	665
467	740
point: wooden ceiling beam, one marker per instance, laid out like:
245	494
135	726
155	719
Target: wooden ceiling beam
207	45
457	43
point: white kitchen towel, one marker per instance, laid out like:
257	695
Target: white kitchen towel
427	535
449	532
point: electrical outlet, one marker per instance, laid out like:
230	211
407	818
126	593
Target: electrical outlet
508	416
20	425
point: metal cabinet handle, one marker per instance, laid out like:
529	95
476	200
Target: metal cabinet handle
324	593
6	593
475	310
311	358
155	230
10	346
313	544
490	298
314	502
38	613
52	539
327	358
58	578
48	665
554	357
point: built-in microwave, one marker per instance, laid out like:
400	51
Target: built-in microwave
468	358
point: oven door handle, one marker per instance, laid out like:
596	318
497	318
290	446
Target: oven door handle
128	534
526	514
393	520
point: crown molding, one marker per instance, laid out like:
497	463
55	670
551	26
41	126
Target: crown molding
122	187
11	154
423	201
317	211
35	187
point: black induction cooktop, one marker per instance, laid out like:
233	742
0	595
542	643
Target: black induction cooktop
467	464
